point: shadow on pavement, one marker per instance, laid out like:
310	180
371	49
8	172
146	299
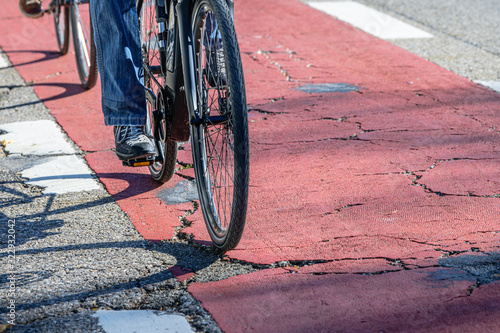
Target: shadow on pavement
70	89
180	253
46	55
138	183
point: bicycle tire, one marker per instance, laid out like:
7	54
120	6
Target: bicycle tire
83	41
220	150
162	170
61	22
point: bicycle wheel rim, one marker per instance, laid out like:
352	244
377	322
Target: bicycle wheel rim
220	150
61	23
83	41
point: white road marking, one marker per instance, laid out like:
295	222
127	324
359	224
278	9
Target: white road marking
39	137
62	174
44	138
3	62
494	85
130	321
370	20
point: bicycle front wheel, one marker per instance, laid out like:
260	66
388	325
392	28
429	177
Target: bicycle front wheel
83	39
61	22
220	138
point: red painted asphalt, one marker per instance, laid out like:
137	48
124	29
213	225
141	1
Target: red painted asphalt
277	301
389	179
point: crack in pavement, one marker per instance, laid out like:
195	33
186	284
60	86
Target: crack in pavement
419	174
491	128
179	233
338	210
295	266
428	189
266	54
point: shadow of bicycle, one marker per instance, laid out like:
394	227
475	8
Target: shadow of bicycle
44	56
104	267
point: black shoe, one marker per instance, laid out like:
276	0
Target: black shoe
215	70
131	143
31	8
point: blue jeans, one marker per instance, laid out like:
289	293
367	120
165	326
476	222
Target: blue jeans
119	59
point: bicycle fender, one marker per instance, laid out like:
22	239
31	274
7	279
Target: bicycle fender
180	114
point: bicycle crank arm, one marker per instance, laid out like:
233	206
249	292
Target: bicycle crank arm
212	120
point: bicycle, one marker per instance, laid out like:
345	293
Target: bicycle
77	13
195	90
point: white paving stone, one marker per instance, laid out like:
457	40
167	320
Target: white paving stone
370	20
494	85
3	61
130	321
39	137
62	174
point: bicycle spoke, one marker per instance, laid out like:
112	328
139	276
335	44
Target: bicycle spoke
221	167
220	182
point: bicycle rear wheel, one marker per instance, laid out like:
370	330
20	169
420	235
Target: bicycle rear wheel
83	39
220	139
61	22
156	128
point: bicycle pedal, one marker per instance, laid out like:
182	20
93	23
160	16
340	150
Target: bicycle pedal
139	162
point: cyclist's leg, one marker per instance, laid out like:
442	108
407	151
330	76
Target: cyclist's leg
116	32
119	60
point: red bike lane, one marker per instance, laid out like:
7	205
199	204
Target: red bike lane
372	201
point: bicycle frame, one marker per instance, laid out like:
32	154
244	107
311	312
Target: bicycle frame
179	68
194	100
54	3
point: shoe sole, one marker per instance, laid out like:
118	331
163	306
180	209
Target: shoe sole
125	157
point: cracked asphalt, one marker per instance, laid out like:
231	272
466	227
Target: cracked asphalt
374	186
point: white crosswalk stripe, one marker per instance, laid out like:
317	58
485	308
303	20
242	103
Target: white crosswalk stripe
369	20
